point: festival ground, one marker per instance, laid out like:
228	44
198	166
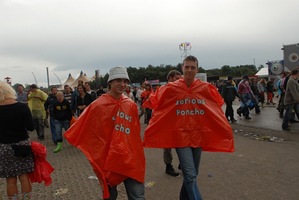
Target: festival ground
263	167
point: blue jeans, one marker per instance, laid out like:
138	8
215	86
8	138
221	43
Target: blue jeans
135	190
288	114
59	125
53	129
189	160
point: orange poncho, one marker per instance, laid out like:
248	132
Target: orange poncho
189	117
108	133
145	95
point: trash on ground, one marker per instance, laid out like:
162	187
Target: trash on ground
149	184
93	178
266	138
60	191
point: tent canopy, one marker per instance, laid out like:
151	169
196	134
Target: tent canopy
264	72
69	81
81	77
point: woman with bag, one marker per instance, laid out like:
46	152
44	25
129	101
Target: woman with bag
16	160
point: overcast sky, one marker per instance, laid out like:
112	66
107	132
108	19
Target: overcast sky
68	36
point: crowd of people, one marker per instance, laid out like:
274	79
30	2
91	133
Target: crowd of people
253	92
185	115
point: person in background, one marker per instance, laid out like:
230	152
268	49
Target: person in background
128	93
16	161
245	94
255	93
90	91
138	95
83	100
49	104
21	94
270	91
108	133
68	94
146	103
74	98
172	76
100	91
36	100
281	93
135	93
261	85
229	93
62	114
291	99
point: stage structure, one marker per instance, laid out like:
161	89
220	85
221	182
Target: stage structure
275	68
291	56
185	49
290	61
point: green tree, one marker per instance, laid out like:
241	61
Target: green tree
226	70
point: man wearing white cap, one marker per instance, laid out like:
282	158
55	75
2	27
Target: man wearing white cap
108	133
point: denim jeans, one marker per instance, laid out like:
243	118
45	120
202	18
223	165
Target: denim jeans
135	190
59	125
288	114
53	129
189	160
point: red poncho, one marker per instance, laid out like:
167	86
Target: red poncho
145	95
189	117
42	168
108	133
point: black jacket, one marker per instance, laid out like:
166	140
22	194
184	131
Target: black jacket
62	111
229	92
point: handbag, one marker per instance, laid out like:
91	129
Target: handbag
21	150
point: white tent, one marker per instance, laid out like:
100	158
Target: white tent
82	77
69	81
262	73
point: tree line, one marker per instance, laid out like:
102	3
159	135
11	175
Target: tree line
140	74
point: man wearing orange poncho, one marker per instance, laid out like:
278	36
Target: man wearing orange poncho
188	116
108	133
146	103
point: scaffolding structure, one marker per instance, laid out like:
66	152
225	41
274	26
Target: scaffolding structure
185	49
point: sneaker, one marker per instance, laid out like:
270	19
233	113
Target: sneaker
239	112
286	129
233	120
247	117
170	171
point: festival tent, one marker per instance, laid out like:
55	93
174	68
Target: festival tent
82	77
68	81
263	72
